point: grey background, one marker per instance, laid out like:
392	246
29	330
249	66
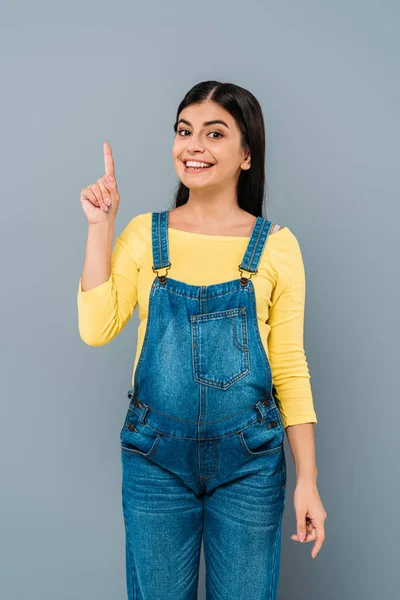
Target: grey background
75	74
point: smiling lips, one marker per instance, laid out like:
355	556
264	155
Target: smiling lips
194	166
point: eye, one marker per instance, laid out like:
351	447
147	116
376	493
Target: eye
187	131
217	132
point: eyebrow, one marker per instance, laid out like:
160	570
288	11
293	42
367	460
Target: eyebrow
205	124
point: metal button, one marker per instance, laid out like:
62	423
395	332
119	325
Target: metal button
266	402
132	427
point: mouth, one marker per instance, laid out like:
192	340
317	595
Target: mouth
197	169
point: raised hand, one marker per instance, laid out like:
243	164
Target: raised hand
100	200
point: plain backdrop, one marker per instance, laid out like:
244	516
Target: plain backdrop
74	74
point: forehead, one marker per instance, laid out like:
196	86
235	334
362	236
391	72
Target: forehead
205	111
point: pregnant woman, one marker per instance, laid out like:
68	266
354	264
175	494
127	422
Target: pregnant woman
220	372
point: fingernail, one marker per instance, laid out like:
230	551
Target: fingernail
108	201
301	536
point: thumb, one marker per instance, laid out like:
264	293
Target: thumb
301	527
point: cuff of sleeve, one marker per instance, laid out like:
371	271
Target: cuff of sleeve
88	295
300	421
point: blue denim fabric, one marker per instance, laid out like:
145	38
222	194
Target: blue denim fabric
202	443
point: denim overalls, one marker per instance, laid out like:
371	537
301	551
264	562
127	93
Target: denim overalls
202	444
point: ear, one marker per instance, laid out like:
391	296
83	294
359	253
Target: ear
247	162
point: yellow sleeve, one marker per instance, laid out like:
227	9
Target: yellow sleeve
104	310
290	374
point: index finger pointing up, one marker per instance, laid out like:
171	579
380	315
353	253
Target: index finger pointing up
108	160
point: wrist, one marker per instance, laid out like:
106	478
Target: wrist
105	225
307	476
101	232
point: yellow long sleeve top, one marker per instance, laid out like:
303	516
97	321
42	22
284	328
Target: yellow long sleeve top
202	259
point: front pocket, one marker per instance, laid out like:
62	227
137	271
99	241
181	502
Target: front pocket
220	349
262	438
138	438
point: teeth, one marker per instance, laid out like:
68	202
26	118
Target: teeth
193	163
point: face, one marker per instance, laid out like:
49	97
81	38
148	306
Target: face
216	143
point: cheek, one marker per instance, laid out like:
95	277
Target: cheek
226	164
226	156
176	148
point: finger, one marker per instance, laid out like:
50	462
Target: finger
301	527
320	531
309	525
310	532
311	535
108	160
88	194
107	201
94	187
110	185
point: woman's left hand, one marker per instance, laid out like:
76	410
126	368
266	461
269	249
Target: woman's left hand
310	515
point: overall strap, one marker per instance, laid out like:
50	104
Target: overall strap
255	247
159	240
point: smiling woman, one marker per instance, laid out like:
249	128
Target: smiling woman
210	128
220	373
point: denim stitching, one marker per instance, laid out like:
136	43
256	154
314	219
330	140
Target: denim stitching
199	421
262	452
160	256
196	439
273	577
220	314
130	560
241	344
138	451
195	296
217	462
224	385
256	243
147	332
216	383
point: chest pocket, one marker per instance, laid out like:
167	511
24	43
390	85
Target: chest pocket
220	349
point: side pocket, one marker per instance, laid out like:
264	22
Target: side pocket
262	438
137	437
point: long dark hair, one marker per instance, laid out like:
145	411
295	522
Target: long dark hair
246	111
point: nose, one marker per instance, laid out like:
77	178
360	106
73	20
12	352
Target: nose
194	145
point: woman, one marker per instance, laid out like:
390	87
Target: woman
220	371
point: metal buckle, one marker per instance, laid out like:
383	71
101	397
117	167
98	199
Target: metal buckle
245	280
162	278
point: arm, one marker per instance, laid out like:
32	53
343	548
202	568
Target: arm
107	291
302	446
97	265
291	379
289	366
